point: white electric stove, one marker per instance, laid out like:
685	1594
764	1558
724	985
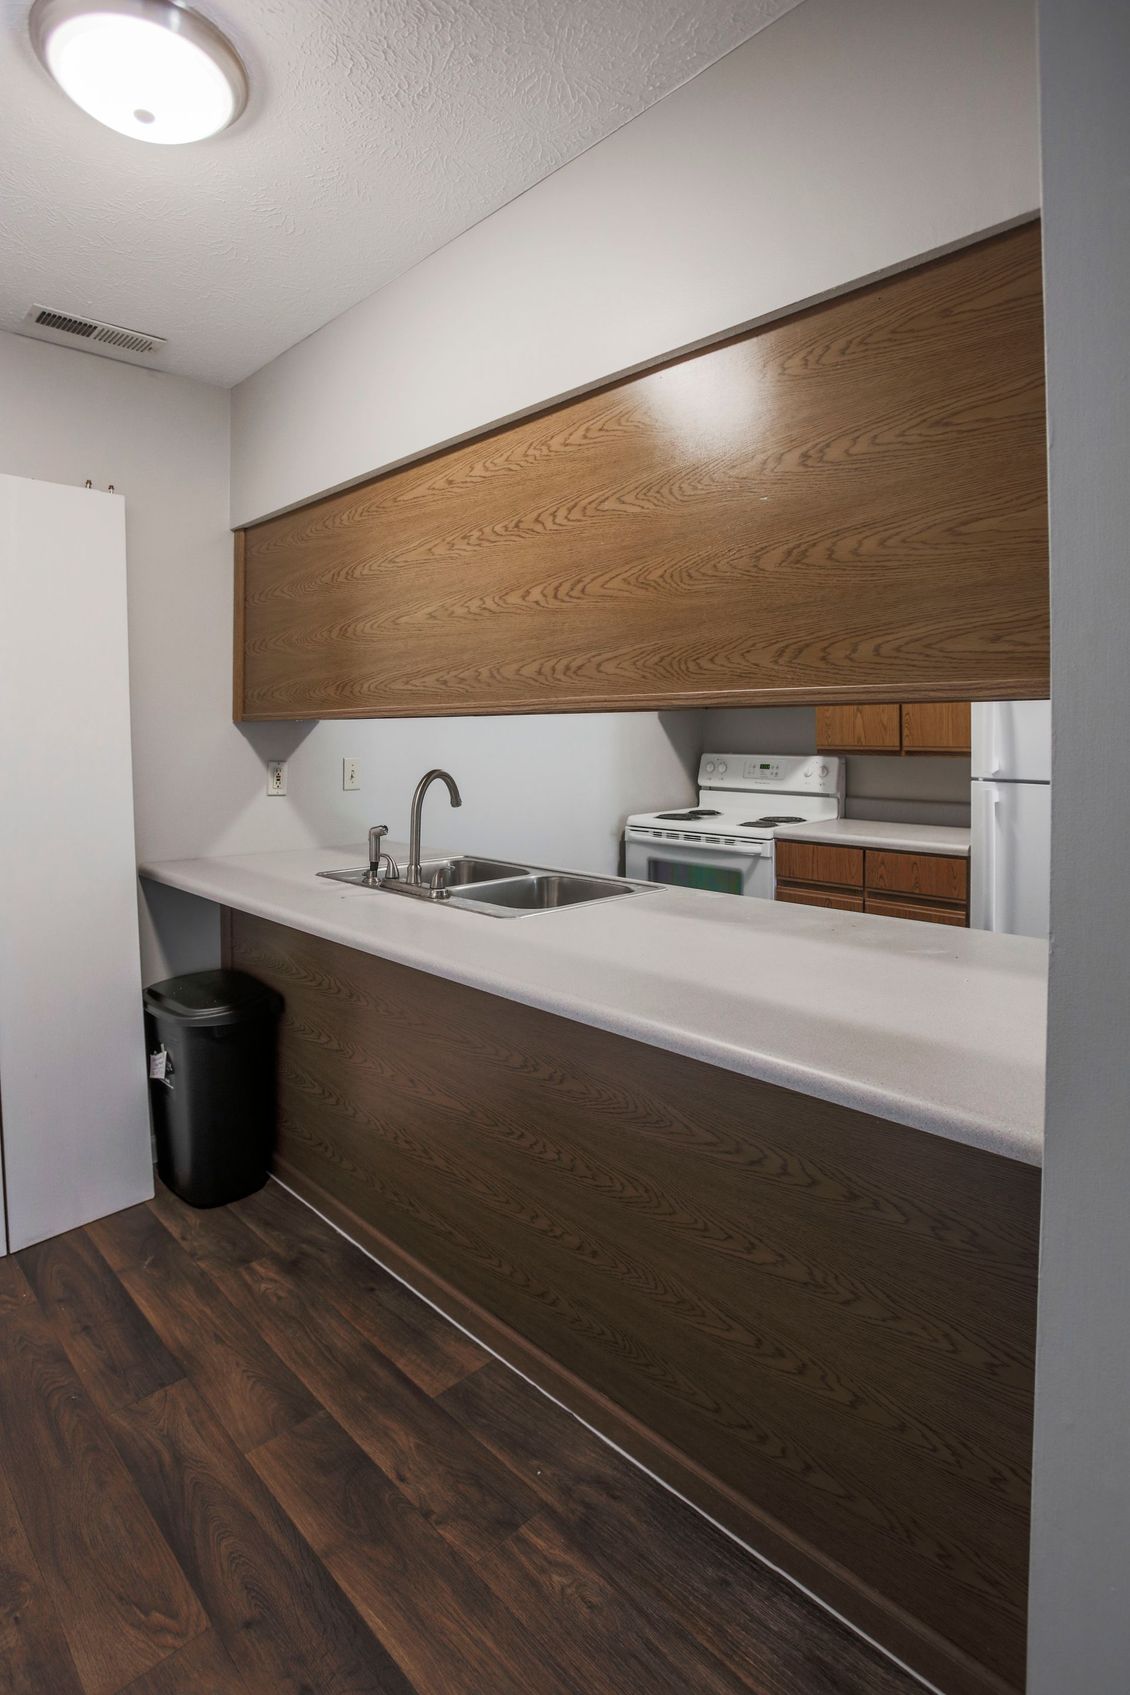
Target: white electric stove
725	843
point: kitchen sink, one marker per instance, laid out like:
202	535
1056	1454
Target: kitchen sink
544	891
496	888
457	873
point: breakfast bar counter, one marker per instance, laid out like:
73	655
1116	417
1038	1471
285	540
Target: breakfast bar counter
940	1030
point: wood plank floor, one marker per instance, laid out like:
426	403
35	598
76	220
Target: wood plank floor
237	1458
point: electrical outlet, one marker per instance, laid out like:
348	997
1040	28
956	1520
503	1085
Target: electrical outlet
350	774
276	777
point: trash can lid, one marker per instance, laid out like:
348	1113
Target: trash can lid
211	997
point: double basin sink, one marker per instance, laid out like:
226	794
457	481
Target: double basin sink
494	887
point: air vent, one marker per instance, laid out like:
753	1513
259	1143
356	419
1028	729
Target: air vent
113	340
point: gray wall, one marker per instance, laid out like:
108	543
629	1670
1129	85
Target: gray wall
918	790
1080	1629
843	141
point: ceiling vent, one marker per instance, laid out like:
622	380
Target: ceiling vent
114	341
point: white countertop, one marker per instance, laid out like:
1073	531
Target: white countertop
938	1028
861	832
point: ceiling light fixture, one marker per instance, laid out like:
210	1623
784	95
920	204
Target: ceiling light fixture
150	69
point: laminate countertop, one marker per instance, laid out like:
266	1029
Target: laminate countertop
862	832
938	1028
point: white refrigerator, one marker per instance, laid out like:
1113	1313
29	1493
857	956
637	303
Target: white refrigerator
1010	856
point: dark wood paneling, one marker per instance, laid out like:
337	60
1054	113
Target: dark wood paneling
937	727
845	505
943	876
798	894
813	862
818	1323
859	729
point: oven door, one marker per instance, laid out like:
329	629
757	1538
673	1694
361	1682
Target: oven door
744	870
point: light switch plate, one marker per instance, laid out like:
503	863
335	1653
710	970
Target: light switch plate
350	774
276	777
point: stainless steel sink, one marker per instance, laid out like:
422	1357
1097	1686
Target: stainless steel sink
454	873
544	892
496	888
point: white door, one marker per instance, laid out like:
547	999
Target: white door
72	1047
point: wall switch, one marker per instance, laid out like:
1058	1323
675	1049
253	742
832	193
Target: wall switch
350	774
276	777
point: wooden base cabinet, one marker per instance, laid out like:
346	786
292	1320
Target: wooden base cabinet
930	887
815	1324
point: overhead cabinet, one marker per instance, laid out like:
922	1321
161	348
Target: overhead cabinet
926	726
847	505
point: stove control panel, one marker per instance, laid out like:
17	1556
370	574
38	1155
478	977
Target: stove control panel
812	773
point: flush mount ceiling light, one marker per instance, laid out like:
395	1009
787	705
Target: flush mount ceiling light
150	69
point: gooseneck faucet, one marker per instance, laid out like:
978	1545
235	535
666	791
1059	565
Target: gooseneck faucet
414	874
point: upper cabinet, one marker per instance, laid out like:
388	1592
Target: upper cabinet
923	726
845	505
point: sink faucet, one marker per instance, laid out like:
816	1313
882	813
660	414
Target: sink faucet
414	875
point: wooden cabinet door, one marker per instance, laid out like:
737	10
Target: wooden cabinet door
839	899
859	729
610	553
815	862
910	909
937	875
936	726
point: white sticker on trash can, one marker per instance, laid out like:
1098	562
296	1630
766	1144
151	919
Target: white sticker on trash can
158	1064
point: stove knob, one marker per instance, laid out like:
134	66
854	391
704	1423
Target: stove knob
822	771
709	767
721	767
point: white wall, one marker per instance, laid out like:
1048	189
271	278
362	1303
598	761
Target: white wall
163	442
839	143
1080	1621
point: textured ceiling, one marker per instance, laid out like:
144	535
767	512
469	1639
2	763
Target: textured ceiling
377	131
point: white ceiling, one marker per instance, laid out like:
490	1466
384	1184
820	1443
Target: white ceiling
377	131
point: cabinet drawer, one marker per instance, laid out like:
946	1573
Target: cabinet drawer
815	862
936	726
798	895
859	729
944	876
924	913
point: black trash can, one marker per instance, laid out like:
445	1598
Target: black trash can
212	1039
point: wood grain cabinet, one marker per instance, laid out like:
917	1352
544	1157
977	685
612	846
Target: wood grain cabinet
930	887
929	726
846	504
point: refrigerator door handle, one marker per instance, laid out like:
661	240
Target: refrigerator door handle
989	836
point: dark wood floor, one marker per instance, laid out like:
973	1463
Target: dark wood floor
237	1458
